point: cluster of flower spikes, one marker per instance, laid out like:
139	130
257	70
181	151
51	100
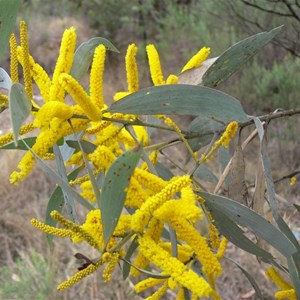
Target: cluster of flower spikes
156	202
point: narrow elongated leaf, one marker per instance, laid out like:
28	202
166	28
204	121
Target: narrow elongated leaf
114	190
84	55
163	172
248	218
126	267
203	173
294	274
56	202
202	126
87	147
19	107
181	99
5	81
62	183
8	15
236	56
69	202
250	278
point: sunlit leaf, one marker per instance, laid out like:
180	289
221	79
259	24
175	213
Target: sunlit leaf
181	99
5	81
84	55
114	189
8	15
19	107
56	202
236	56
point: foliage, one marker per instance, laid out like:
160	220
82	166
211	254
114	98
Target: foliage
139	211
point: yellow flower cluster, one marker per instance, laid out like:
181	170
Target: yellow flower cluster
154	206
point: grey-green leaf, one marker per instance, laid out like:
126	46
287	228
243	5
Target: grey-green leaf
84	55
236	56
181	99
56	202
8	15
248	218
87	147
19	107
203	173
114	190
5	81
126	267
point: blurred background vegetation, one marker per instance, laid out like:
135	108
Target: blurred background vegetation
178	28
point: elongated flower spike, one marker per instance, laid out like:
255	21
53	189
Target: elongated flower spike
154	65
197	59
26	65
63	64
96	77
131	69
14	74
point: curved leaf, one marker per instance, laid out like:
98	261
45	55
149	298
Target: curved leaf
203	173
114	190
126	266
181	99
248	218
236	56
84	55
5	81
8	15
19	107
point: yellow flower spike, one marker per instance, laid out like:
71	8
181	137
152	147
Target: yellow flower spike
173	267
79	95
154	65
141	262
9	137
135	195
79	230
52	110
149	181
52	230
39	75
180	295
185	252
286	294
276	278
172	79
189	234
102	157
112	262
293	181
87	191
3	100
222	248
131	69
147	284
159	293
197	59
79	275
153	157
96	79
14	73
26	64
63	64
224	140
118	96
214	238
141	217
123	225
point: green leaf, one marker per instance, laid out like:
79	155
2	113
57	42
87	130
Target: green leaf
19	107
203	173
62	183
5	81
236	56
248	218
84	55
294	274
87	147
204	127
250	278
114	190
180	99
8	15
163	172
56	202
126	267
69	202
